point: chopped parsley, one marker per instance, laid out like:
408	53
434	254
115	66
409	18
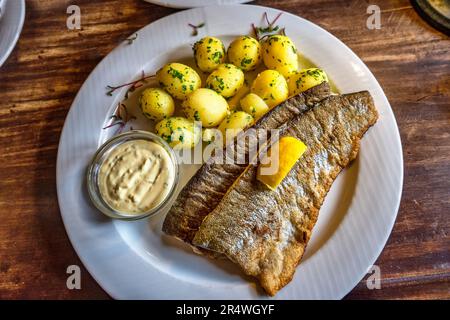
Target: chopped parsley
217	57
175	73
245	62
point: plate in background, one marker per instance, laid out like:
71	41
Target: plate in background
11	23
435	12
134	260
183	4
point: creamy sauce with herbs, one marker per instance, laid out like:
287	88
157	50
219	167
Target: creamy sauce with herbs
136	177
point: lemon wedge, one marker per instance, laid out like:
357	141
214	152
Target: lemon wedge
279	160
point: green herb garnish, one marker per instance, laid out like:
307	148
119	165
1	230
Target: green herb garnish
196	116
133	85
270	29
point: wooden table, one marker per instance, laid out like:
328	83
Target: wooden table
39	81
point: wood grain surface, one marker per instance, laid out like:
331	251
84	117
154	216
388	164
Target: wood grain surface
39	81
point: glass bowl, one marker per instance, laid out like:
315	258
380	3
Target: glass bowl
102	154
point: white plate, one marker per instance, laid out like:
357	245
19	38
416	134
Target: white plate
134	259
12	17
181	4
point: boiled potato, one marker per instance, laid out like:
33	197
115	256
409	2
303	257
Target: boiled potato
178	79
305	79
271	86
179	132
210	135
235	123
207	106
209	53
245	53
226	80
254	105
156	104
280	54
233	102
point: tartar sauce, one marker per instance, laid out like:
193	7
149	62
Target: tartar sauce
136	176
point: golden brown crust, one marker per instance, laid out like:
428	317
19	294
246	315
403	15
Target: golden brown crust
266	232
204	191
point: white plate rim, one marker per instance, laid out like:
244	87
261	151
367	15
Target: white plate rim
14	10
115	292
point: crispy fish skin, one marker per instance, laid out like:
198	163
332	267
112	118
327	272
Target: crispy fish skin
207	187
266	232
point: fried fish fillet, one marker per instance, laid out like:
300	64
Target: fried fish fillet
204	191
266	232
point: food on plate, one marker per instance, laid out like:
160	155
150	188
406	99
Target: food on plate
207	106
226	80
210	135
136	176
271	86
279	160
302	80
254	105
209	53
156	104
233	102
179	132
178	79
245	53
280	54
259	213
235	123
205	190
268	235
